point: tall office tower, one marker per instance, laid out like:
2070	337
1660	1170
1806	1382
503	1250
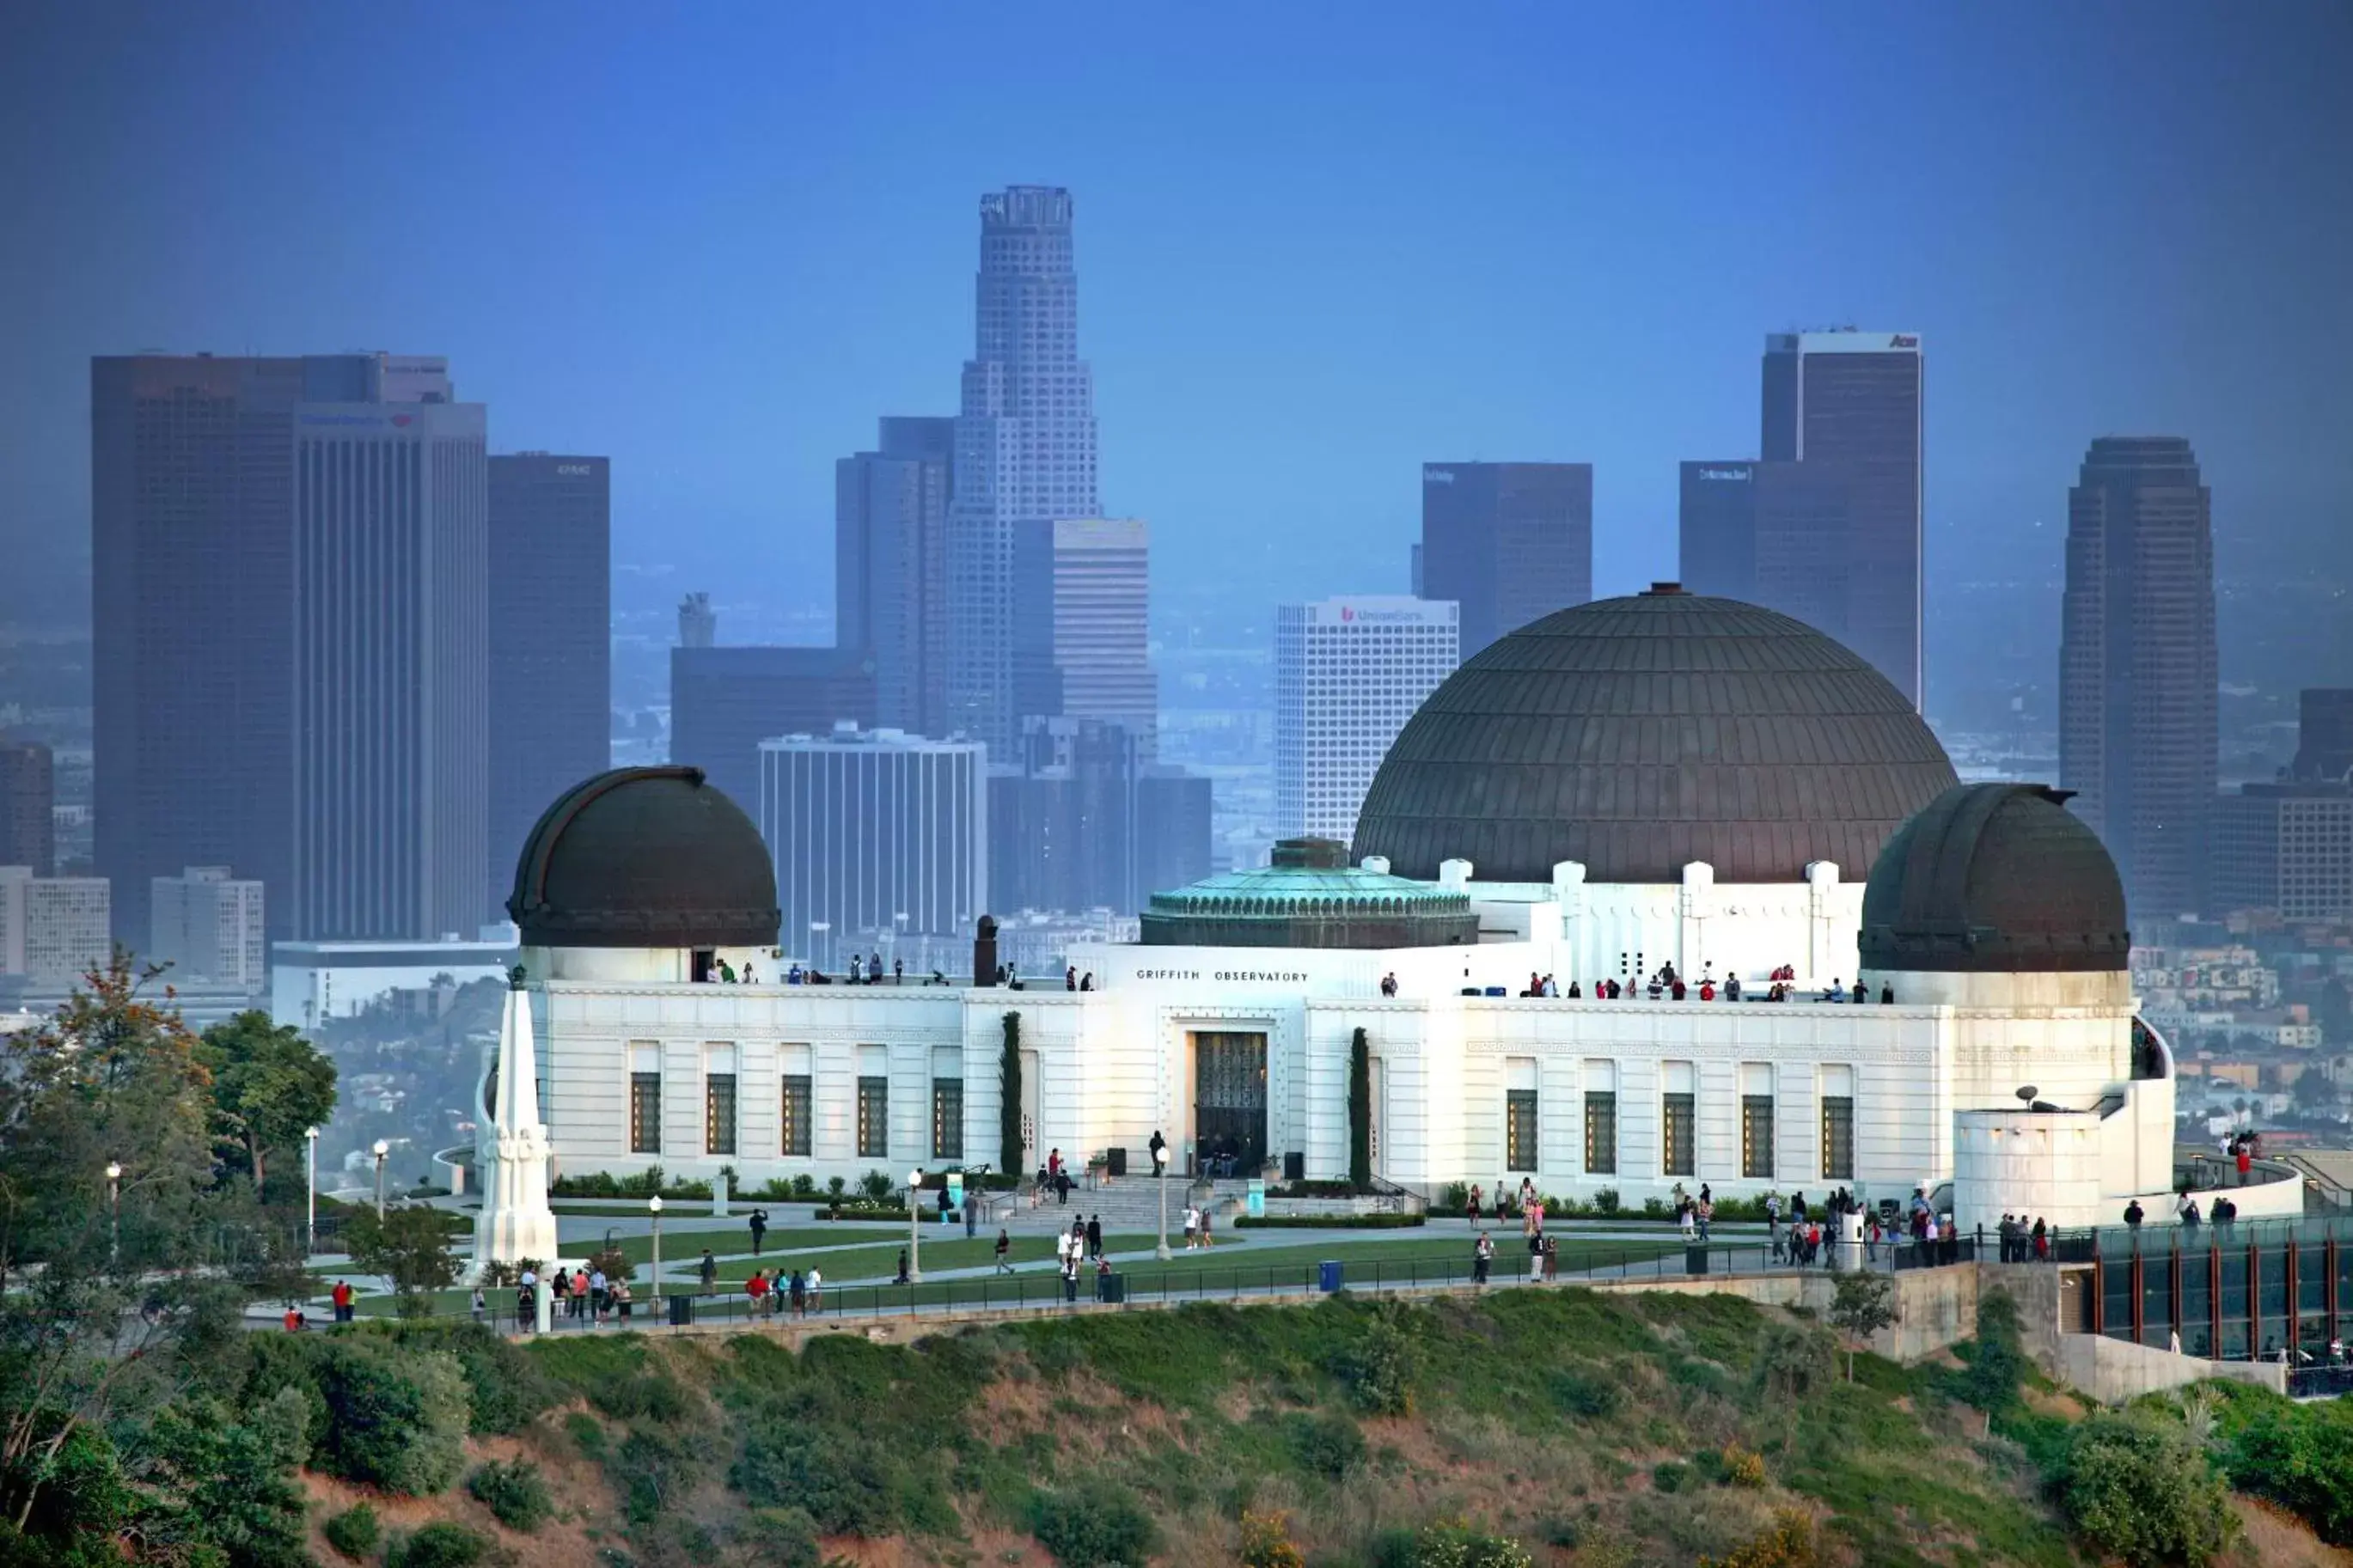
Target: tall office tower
889	574
390	671
875	833
192	552
2324	739
2137	671
207	925
551	640
1769	533
698	623
1025	459
2288	846
723	702
196	598
1510	542
1087	821
53	930
1348	673
1103	633
1853	399
28	795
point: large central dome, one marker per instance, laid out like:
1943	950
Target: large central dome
1637	735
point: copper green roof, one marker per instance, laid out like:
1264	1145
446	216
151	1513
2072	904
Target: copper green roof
1309	897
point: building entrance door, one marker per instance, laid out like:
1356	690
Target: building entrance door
1229	1101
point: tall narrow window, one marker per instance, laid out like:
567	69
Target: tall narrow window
1757	1135
1600	1132
1520	1130
874	1117
1837	1138
719	1113
793	1116
645	1113
1678	1135
947	1119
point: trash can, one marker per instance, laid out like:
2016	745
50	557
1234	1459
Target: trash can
1695	1259
1110	1289
681	1312
1327	1275
1115	1161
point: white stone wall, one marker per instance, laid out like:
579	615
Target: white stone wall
2047	1165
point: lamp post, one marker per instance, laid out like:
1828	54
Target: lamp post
915	1225
311	1196
1160	1169
653	1207
113	1213
382	1148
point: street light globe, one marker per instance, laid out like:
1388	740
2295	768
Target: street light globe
1160	1155
382	1148
915	1177
654	1202
312	1133
114	1170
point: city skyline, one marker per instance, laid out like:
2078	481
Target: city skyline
1186	370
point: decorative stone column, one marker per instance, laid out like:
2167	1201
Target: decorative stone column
515	1221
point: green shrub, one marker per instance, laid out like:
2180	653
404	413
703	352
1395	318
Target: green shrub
1998	1361
1454	1544
877	1185
1582	1393
1327	1445
782	1537
2300	1457
1093	1525
842	1479
1381	1367
515	1493
438	1545
354	1531
1787	1542
1669	1476
1328	1222
2138	1491
393	1418
652	1469
641	1396
507	1387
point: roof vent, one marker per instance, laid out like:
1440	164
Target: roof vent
1662	590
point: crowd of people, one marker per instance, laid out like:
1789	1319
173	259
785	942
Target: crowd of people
1665	985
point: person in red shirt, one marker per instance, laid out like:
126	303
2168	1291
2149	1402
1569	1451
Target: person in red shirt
756	1287
342	1297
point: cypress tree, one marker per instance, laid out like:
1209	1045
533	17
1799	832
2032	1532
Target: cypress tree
1360	1112
1008	1115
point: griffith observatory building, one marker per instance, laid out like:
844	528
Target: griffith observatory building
1660	779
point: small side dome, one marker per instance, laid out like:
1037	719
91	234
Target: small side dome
645	858
1995	880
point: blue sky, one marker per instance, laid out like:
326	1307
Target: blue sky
1318	244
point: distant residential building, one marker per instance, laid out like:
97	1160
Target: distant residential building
551	640
2137	667
1103	633
698	623
1853	401
29	796
874	832
1348	673
723	702
1510	542
390	672
1025	459
53	930
891	519
209	925
1085	821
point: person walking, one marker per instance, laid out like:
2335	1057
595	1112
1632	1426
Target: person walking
799	1292
1094	1236
342	1297
1206	1240
759	1224
971	1214
816	1290
1004	1251
1471	1208
1482	1253
1551	1258
708	1271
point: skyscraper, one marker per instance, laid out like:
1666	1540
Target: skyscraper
551	640
1510	542
1101	627
723	702
698	623
195	595
891	521
2137	666
390	671
1774	534
1853	400
208	926
29	793
1086	821
1348	673
1025	459
874	832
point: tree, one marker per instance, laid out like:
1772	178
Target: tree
2313	1089
1360	1112
1999	1365
270	1085
1863	1304
1010	1153
409	1248
2139	1490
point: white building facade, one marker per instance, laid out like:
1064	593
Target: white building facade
209	925
53	930
1348	673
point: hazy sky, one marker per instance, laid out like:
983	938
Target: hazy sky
1318	244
